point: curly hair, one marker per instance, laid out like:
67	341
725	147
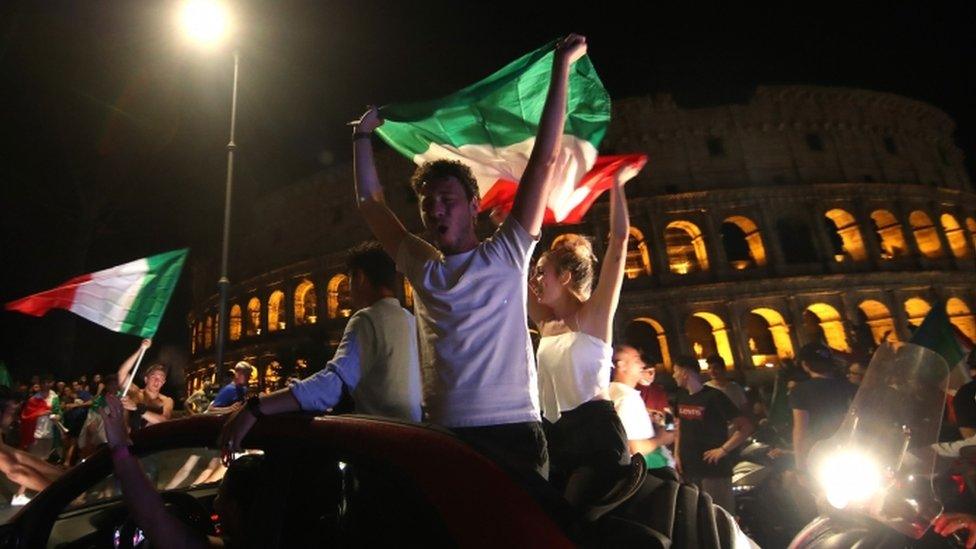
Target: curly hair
441	169
573	253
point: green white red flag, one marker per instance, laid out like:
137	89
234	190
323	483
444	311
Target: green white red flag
939	334
491	126
129	298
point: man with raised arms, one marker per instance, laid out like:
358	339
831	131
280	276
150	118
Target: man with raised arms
470	295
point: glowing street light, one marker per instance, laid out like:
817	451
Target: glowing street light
205	22
208	23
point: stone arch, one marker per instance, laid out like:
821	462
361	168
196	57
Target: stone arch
961	317
852	244
954	235
796	241
825	321
339	299
713	340
774	339
234	327
208	332
253	326
879	320
926	235
638	255
685	245
741	233
276	311
916	308
305	303
647	335
891	239
971	225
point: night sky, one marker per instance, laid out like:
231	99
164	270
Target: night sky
114	130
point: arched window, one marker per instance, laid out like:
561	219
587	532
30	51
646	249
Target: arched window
339	299
638	257
708	336
769	336
916	308
961	317
208	333
796	241
926	236
823	323
743	243
879	321
254	317
276	311
647	335
305	303
890	236
407	294
845	227
686	247
235	322
200	334
194	329
955	235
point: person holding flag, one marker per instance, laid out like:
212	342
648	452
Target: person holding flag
476	355
146	405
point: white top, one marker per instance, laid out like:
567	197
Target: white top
377	362
734	391
475	352
630	407
574	367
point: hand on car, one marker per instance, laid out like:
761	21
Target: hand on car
714	455
947	524
113	415
234	431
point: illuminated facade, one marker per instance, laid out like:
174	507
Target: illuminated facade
804	214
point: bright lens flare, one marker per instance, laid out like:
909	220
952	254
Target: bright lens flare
849	476
205	21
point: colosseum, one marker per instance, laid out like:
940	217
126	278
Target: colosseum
804	213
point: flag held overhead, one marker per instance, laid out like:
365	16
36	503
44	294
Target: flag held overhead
129	298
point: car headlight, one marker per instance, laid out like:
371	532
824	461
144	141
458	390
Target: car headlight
849	476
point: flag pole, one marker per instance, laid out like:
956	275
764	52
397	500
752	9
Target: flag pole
135	368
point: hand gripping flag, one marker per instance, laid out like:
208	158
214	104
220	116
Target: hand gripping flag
491	126
130	298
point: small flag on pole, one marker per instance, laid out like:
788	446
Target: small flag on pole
130	298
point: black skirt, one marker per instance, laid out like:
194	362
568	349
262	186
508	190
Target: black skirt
588	436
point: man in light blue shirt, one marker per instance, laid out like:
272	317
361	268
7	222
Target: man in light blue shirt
376	361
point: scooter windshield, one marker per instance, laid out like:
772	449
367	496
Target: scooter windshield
880	460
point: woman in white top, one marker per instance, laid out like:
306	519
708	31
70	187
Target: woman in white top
575	320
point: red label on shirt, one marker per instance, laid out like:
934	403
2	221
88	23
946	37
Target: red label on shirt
692	412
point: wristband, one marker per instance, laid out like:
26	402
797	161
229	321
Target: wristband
361	135
253	405
120	452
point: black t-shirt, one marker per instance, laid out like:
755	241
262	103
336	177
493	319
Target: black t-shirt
827	400
705	418
964	403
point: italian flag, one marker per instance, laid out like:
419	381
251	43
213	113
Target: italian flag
129	298
491	125
937	333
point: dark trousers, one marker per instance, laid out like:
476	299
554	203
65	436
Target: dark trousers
589	452
519	448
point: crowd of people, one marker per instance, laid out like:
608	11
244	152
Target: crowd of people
577	415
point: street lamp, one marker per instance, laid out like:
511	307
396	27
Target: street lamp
208	24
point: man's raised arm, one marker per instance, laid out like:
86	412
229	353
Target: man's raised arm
532	193
126	367
369	194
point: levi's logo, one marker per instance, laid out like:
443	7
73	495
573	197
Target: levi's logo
688	411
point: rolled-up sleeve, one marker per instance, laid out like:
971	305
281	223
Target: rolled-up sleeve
323	390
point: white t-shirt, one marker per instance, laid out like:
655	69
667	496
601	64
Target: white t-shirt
630	407
475	352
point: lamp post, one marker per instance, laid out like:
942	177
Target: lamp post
207	23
